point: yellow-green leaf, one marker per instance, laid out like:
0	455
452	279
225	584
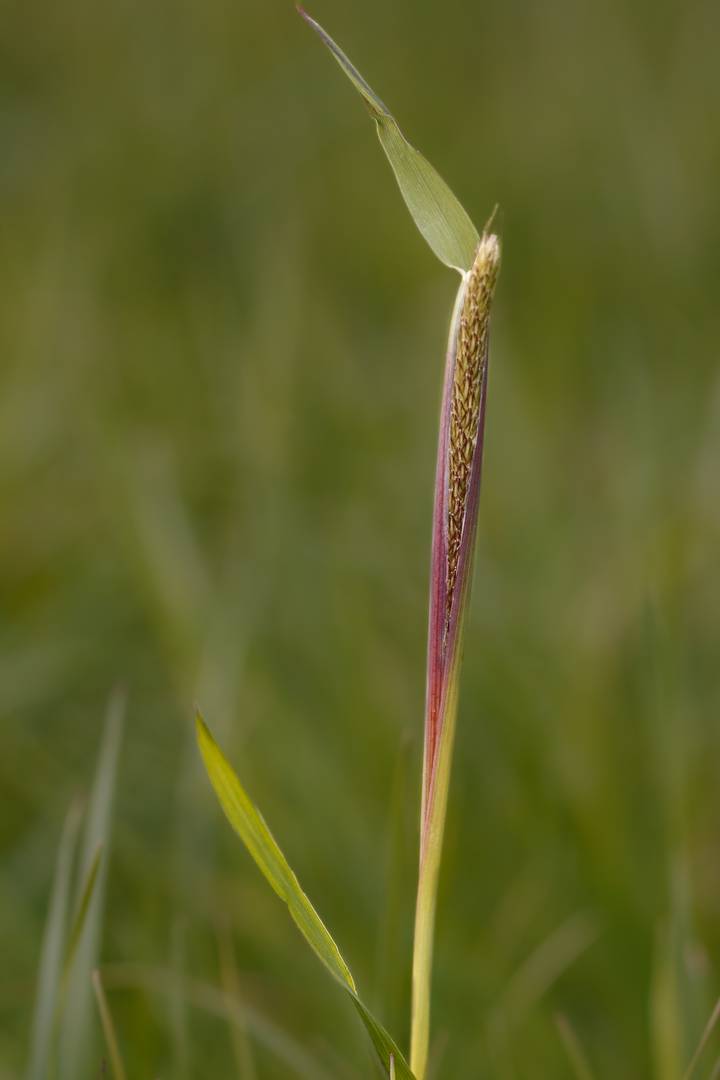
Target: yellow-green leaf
437	213
250	826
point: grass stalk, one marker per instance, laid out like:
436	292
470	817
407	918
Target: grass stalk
457	490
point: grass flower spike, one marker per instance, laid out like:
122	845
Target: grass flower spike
450	233
457	490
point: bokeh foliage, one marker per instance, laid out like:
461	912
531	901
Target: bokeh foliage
221	345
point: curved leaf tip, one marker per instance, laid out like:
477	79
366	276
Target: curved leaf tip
438	214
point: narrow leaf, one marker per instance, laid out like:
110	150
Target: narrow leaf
82	909
230	982
437	213
666	1010
213	1001
707	1032
573	1048
113	1047
52	951
178	1010
250	826
75	1041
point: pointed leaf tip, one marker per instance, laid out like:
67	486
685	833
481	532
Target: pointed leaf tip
201	728
250	826
437	213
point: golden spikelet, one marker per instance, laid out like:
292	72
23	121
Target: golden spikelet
469	374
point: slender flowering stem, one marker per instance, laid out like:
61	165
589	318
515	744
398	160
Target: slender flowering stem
452	236
457	490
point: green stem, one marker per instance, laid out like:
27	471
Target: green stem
431	844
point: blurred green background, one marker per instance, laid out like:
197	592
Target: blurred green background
221	344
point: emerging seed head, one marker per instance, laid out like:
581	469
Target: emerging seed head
470	366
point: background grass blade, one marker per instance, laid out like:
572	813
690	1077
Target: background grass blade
113	1047
252	830
666	1011
230	982
82	909
211	1000
52	951
178	1006
438	214
704	1039
573	1048
77	1005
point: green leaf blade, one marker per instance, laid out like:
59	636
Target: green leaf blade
375	105
250	826
106	1020
391	1057
438	214
440	218
83	907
